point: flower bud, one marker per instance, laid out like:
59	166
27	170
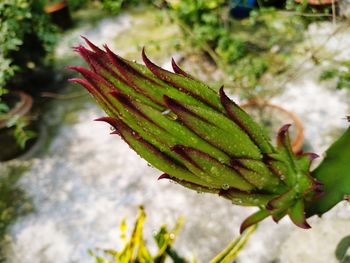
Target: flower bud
199	138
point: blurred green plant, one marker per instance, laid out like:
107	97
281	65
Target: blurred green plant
341	250
310	13
135	249
14	202
116	6
247	49
78	4
20	19
22	131
340	72
26	37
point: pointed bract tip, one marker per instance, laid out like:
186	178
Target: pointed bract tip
105	46
111	121
79	69
174	65
145	59
111	54
116	60
149	64
222	93
105	119
178	70
225	100
143	51
284	128
78	48
275	219
310	155
243	228
115	132
164	176
75	80
246	225
254	219
92	46
283	135
304	225
74	68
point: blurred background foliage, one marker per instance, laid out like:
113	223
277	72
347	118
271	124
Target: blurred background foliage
135	248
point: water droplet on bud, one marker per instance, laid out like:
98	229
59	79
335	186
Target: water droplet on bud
225	187
166	112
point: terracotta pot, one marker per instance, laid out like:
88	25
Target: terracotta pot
317	2
21	104
59	12
273	117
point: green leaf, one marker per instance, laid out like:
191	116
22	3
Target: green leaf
342	248
334	174
254	219
297	214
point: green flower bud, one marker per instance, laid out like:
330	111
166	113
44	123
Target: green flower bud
197	137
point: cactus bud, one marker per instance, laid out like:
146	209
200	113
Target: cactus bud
199	138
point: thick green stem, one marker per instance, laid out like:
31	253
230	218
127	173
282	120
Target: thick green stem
334	173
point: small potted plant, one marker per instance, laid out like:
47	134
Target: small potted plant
15	124
22	54
59	12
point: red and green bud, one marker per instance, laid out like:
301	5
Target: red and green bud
199	138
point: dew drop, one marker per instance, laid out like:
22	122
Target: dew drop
166	112
214	170
225	186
